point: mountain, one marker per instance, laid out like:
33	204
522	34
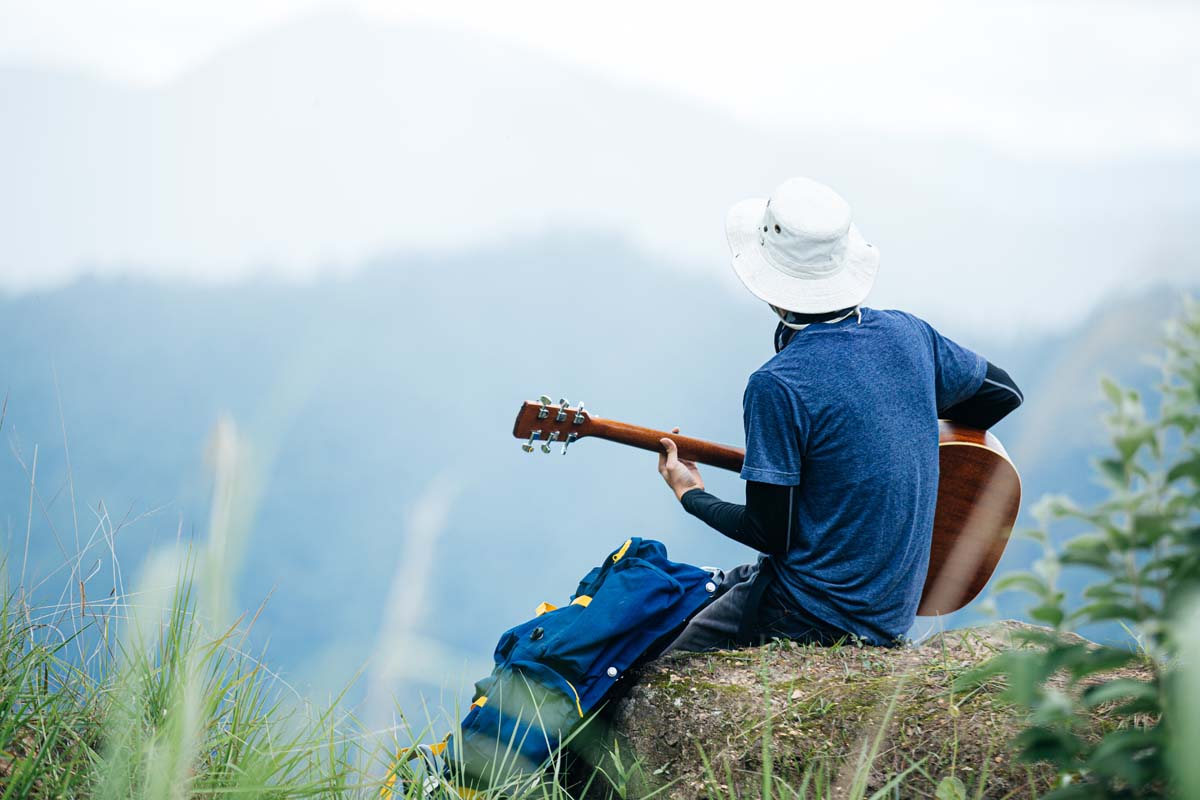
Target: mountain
399	523
473	225
312	148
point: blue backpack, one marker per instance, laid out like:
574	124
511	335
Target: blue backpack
553	670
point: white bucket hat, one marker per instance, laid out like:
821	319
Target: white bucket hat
799	250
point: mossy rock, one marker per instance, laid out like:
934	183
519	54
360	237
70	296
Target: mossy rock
693	725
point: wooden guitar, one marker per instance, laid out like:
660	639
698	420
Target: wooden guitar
979	490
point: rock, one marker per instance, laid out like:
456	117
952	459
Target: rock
824	714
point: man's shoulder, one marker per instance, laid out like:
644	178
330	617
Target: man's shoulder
776	381
904	321
784	367
768	377
896	315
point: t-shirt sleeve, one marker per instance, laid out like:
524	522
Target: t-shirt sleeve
958	372
774	432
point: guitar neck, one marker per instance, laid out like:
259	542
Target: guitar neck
979	490
722	456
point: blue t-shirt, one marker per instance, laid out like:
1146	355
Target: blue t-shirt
848	412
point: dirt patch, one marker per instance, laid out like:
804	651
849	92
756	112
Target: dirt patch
695	721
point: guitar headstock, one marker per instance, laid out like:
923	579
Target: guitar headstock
542	423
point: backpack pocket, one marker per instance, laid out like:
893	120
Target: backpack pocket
527	713
633	592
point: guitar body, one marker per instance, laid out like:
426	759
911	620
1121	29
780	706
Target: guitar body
979	495
979	490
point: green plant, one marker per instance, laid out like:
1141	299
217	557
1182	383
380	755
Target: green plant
150	695
1142	546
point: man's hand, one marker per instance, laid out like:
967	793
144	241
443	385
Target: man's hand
680	475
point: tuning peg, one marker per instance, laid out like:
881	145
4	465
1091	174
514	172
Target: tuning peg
562	410
528	446
550	441
544	412
571	437
579	414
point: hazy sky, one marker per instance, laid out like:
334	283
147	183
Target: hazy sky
1076	80
989	146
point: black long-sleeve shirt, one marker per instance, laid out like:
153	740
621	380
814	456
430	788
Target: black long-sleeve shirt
765	521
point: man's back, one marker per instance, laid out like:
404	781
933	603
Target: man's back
841	460
847	412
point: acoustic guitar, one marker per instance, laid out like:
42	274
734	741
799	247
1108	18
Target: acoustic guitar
979	490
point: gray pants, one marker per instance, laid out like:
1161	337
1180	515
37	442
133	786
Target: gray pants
724	623
719	624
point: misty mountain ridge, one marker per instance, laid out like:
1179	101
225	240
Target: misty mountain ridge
330	140
365	393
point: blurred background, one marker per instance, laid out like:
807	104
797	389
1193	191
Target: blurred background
360	234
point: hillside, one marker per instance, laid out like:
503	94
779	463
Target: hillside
843	721
362	414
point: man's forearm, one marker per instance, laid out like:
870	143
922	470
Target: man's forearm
764	523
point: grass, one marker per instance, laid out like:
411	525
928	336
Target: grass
147	695
159	711
851	722
151	694
149	700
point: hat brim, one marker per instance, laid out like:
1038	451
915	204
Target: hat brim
847	287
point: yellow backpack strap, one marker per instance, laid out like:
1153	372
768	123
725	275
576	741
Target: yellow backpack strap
388	789
409	753
617	556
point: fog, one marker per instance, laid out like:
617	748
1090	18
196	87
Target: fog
1015	167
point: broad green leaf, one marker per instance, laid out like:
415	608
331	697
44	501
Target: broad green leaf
1055	709
1051	506
977	676
1033	534
1111	390
1148	528
1102	659
1117	536
1166	565
1189	469
1048	744
1021	582
1180	505
1101	611
950	788
1047	568
1089	549
1114	470
1143	705
1128	754
1119	689
1088	541
1026	671
1106	591
1078	791
1051	614
1128	444
1065	655
1038	636
1182	417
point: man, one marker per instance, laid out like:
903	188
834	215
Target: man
841	464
